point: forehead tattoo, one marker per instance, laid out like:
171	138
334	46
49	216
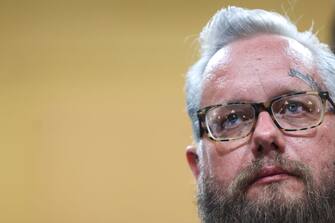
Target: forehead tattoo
306	78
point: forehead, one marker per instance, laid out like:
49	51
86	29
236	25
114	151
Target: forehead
256	69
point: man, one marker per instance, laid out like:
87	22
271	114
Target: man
260	101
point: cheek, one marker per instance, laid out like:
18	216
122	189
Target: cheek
317	152
224	167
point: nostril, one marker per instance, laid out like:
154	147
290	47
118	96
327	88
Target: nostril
260	149
275	146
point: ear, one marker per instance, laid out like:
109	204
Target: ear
193	160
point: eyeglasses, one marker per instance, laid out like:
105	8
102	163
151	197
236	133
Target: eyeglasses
290	112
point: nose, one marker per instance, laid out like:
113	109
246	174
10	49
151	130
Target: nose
266	136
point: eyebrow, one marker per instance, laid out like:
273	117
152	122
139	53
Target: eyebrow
306	78
280	93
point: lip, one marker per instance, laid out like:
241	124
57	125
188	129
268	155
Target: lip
271	174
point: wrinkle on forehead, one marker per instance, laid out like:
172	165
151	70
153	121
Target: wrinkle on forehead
253	64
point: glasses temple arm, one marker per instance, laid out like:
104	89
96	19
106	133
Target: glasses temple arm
332	103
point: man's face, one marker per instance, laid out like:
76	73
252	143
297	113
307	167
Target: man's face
284	165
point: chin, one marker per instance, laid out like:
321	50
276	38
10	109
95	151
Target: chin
281	191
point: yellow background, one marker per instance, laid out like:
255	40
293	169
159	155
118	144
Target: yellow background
93	125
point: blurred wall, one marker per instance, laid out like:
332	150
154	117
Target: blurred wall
93	125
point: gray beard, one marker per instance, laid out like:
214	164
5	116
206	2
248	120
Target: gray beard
219	205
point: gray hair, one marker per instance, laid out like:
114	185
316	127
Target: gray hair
233	23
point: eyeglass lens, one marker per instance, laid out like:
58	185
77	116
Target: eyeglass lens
298	111
230	121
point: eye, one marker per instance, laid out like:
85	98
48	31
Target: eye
231	120
226	122
294	108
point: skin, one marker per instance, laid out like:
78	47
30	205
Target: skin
257	69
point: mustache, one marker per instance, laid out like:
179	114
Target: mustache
250	174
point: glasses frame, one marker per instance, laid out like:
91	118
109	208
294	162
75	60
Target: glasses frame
259	107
